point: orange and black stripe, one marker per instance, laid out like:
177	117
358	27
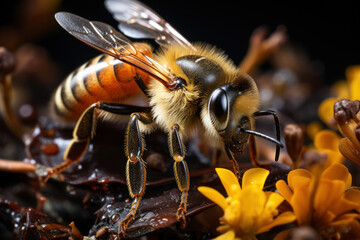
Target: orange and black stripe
103	78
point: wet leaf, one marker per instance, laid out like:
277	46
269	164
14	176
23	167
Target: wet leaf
103	168
30	224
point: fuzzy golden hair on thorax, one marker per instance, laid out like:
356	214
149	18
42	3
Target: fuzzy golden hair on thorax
167	57
170	107
181	106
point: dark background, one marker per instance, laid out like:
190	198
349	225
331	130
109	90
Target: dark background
328	33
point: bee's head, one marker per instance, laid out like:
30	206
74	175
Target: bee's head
230	105
232	108
232	99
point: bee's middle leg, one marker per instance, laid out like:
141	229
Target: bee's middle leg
181	171
135	166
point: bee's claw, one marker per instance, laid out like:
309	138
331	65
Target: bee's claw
49	173
43	179
122	230
112	235
181	217
123	225
44	173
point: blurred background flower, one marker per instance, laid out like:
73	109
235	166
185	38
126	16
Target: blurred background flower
324	201
345	89
346	114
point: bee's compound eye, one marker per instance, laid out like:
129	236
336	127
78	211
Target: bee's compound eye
219	109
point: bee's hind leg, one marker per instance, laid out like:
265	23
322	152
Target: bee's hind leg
181	171
84	131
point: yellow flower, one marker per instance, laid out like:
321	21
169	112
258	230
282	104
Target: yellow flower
341	90
326	203
249	210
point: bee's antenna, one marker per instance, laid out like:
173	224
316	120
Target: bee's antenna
277	142
277	125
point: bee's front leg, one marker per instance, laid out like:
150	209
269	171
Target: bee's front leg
181	171
135	166
234	163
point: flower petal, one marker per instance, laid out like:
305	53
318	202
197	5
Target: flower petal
229	235
353	195
214	196
332	157
355	229
354	89
300	203
327	194
228	180
327	139
284	218
299	172
326	111
223	228
253	204
255	177
344	219
347	130
343	205
338	172
299	177
274	200
284	190
349	151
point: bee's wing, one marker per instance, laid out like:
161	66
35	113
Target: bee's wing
139	21
106	39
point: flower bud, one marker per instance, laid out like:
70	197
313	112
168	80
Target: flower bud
294	139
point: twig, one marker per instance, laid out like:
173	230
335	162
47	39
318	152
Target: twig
7	66
261	48
16	166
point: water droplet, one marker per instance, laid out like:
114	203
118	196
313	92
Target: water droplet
115	218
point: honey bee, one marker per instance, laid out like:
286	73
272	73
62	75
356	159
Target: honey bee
188	86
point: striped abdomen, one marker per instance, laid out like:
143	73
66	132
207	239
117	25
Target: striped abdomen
103	78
